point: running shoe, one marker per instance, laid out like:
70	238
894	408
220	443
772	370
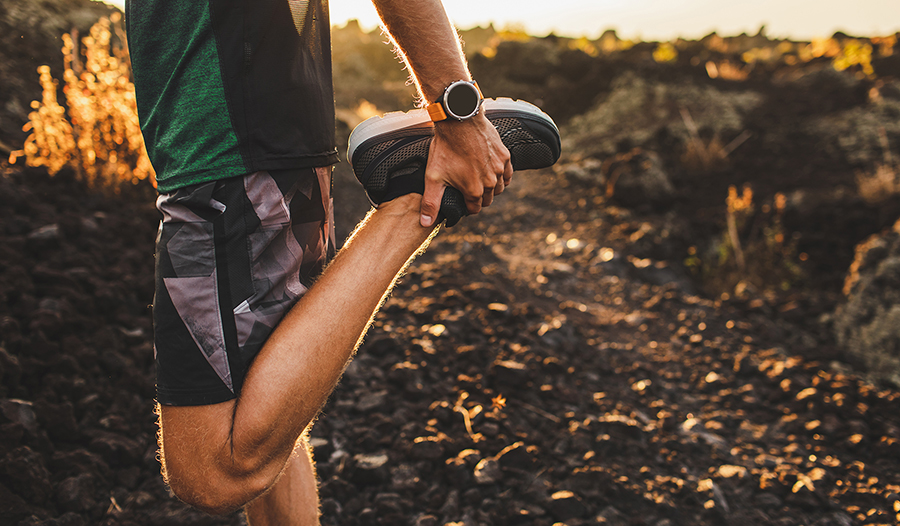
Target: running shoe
388	154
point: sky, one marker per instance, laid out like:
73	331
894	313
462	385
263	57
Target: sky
659	19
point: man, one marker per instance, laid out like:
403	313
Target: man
236	105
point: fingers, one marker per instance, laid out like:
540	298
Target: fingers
501	186
487	197
478	197
469	157
474	204
431	203
507	172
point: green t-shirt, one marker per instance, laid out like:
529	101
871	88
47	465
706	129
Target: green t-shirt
230	87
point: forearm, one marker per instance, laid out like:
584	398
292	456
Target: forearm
427	41
467	155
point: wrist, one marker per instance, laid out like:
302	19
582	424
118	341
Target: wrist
461	100
452	129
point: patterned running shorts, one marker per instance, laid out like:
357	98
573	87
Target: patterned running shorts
232	256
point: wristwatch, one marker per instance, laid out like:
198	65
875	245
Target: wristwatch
461	100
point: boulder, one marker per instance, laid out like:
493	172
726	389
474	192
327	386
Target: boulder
867	324
638	178
645	113
23	471
864	134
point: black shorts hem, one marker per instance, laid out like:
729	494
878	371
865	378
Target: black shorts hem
187	398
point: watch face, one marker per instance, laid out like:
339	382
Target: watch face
462	100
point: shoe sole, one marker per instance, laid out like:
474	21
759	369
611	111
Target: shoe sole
396	145
404	124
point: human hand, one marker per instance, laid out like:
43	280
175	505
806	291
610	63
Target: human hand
470	157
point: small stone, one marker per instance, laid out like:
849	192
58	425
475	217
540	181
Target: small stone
45	233
565	505
426	520
370	469
516	456
642	178
57	419
370	462
488	471
12	505
767	500
20	412
76	493
451	505
470	457
367	516
140	499
387	503
610	516
427	448
490	429
128	477
322	448
89	224
117	450
70	519
510	372
330	508
405	476
370	401
841	519
24	472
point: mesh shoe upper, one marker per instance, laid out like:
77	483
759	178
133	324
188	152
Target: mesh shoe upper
389	153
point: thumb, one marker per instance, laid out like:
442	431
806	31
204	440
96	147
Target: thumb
431	203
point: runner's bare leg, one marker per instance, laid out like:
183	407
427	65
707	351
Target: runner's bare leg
218	457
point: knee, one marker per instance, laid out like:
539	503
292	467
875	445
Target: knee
217	495
204	467
217	489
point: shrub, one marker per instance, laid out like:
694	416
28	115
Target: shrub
665	52
754	253
97	134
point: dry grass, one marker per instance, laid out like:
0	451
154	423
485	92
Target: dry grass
704	156
754	253
97	134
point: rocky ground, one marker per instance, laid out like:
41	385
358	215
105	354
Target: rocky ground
529	369
585	351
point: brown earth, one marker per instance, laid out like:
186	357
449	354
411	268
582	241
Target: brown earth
527	370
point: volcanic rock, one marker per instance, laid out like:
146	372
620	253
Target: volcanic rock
867	324
76	493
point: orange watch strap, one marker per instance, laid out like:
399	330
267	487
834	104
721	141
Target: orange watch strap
436	111
478	89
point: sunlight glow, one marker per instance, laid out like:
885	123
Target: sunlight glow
657	19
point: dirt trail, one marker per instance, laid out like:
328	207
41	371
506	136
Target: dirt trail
633	400
525	371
